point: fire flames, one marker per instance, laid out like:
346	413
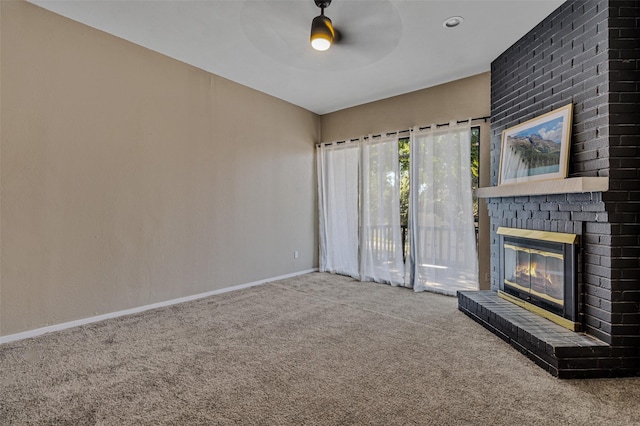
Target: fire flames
541	282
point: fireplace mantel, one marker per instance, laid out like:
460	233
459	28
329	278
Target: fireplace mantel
544	187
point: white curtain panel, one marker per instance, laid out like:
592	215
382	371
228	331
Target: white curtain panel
338	166
380	232
443	250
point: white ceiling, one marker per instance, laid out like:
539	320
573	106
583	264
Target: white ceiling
388	47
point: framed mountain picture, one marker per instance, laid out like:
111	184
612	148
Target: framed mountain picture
537	149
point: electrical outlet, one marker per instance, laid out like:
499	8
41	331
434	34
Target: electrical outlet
295	254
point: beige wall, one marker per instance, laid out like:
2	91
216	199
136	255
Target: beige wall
128	178
458	100
466	98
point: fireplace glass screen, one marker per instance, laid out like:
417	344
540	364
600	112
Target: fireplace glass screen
540	269
536	272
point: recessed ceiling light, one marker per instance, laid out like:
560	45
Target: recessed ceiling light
453	22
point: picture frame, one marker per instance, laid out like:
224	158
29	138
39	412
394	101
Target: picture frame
537	149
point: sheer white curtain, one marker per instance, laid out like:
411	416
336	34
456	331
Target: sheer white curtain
443	244
338	202
380	235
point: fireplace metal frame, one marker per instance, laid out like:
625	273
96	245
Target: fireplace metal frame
567	244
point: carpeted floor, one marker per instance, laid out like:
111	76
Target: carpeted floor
315	349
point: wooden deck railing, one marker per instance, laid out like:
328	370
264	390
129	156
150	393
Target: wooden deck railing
447	247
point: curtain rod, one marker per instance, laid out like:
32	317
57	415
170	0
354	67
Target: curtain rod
405	131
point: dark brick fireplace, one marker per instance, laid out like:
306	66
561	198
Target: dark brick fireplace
586	53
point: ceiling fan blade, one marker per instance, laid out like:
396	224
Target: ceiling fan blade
338	37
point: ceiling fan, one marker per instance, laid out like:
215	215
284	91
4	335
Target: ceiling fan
353	34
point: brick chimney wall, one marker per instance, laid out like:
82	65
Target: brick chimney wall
586	53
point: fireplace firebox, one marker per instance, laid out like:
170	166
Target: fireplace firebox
538	271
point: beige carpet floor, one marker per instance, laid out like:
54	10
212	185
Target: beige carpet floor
315	349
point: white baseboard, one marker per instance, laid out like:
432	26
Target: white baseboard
65	325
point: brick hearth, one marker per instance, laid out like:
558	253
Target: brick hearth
561	352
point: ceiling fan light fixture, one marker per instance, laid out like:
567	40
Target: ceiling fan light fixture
322	33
